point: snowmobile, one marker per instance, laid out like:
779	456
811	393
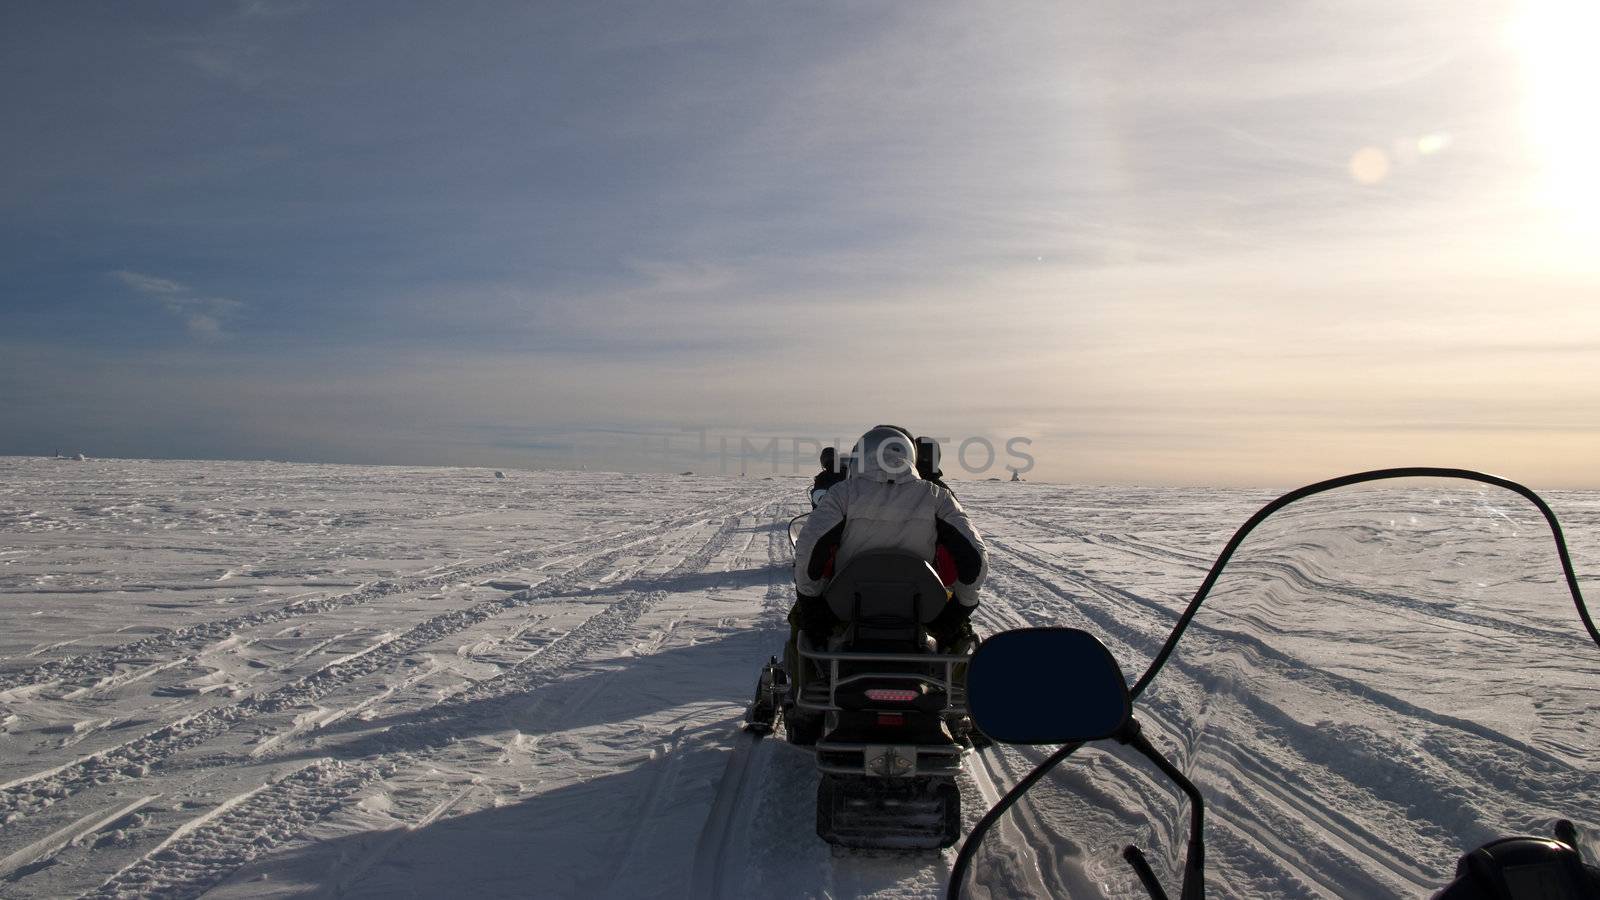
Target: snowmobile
882	709
1381	693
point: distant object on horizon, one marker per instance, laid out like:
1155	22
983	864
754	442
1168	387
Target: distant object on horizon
685	473
499	474
78	457
1016	475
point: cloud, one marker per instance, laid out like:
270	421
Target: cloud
1132	233
204	327
204	317
149	284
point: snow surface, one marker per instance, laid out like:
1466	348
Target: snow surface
261	680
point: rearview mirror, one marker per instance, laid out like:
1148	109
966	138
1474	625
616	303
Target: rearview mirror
1046	686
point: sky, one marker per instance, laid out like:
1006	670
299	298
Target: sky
1239	243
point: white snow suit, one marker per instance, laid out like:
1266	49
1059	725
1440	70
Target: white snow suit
885	505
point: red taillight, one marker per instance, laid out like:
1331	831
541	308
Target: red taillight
891	718
891	695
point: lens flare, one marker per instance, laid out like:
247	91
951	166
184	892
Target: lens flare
1369	165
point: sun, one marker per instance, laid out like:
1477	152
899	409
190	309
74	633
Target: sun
1559	43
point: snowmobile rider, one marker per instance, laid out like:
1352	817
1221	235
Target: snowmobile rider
885	505
928	462
832	473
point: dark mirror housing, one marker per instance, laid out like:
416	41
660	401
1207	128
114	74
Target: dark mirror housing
1046	686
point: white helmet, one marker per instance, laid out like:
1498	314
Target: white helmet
885	453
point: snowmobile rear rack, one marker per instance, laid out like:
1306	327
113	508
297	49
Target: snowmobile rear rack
936	670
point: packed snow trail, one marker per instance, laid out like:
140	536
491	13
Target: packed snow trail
251	680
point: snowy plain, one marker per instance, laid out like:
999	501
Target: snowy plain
274	680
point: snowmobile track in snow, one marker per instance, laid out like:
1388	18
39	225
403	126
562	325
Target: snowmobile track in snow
546	665
100	668
715	855
207	850
23	796
204	851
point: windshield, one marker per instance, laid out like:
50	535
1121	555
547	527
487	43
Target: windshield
1383	678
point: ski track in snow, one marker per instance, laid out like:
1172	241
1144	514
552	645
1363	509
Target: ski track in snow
420	731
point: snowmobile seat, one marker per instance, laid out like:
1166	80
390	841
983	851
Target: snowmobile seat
885	599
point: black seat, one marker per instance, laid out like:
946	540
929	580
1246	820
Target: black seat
886	599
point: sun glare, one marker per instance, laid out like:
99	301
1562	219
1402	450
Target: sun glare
1559	42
